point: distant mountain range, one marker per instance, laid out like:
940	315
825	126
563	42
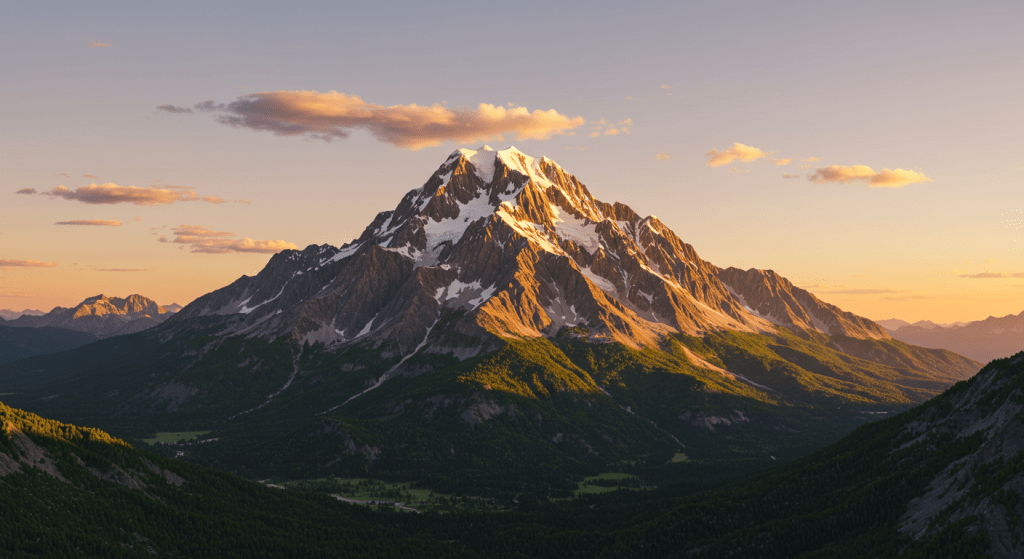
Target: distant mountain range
100	316
982	340
503	330
8	314
67	328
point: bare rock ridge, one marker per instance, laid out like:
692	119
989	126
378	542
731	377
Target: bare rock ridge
497	243
100	316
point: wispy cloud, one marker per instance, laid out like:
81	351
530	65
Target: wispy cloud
737	151
5	263
992	275
604	128
891	178
781	162
26	191
201	239
102	222
110	193
810	159
790	176
95	44
859	292
738	170
173	109
663	156
333	115
88	176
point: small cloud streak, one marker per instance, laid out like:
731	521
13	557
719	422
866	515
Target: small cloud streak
88	176
604	128
4	263
96	44
886	178
333	116
992	275
663	156
26	191
205	240
790	176
781	162
738	170
811	159
737	151
110	193
103	222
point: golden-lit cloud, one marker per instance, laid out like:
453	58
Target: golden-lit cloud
790	176
886	178
806	166
201	239
738	170
663	156
993	275
88	176
604	128
110	193
333	115
102	222
781	162
95	44
810	159
26	191
737	151
5	263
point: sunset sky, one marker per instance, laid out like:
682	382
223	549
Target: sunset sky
870	152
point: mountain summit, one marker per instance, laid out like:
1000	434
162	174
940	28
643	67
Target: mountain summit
498	243
100	316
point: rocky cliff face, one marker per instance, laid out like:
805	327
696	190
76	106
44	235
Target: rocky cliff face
101	316
497	243
774	298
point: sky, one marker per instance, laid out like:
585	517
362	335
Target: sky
868	151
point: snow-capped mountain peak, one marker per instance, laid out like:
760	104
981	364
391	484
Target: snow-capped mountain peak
514	245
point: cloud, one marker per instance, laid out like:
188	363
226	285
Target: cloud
26	191
890	178
122	269
333	115
663	156
990	275
109	223
737	151
790	176
110	193
25	264
88	176
859	292
604	128
806	166
810	159
95	44
173	109
781	162
64	175
201	239
666	87
738	170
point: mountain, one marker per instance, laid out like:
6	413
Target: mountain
172	308
501	330
982	340
100	316
8	314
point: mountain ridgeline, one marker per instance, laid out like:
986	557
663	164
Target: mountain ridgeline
501	331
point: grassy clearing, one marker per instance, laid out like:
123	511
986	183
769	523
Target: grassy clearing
679	457
175	436
608	481
363	489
